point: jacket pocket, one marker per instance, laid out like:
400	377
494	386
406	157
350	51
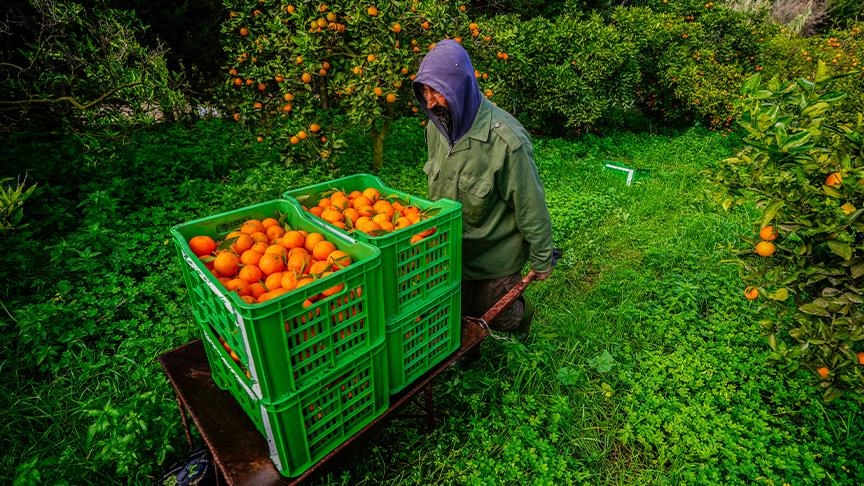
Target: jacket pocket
476	197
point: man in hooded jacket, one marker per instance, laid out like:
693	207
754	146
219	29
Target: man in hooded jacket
482	157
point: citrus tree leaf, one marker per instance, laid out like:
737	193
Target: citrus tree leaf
814	310
770	212
843	250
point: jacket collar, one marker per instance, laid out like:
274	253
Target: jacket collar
480	128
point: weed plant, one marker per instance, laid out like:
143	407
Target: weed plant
646	364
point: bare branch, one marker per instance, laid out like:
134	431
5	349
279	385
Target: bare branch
71	99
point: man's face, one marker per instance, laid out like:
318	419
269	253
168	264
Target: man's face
433	98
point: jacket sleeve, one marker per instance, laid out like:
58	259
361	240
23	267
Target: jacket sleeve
519	184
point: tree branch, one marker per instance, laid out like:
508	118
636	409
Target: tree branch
71	99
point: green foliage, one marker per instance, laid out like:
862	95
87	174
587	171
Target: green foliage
84	67
559	75
642	343
335	65
842	51
12	201
803	171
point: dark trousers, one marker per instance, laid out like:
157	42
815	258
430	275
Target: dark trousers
478	296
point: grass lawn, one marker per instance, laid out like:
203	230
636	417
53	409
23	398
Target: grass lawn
647	364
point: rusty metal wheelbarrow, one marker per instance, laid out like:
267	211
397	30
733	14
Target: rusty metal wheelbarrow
475	329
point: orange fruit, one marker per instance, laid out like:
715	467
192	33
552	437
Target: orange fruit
274	232
381	218
391	98
202	245
331	215
372	11
252	226
272	294
370	227
834	179
274	280
226	264
861	358
372	194
339	259
277	250
383	206
768	234
402	222
312	239
367	211
293	239
259	236
386	225
320	267
765	248
289	280
823	372
249	299
250	274
298	258
260	247
238	285
339	201
257	289
250	257
271	263
242	243
358	202
752	293
323	249
351	214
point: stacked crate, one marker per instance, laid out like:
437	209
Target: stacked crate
422	279
308	372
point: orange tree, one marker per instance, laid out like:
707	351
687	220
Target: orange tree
806	255
301	72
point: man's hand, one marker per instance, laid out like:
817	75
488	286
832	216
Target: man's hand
536	275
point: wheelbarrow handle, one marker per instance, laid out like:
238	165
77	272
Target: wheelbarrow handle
514	293
506	300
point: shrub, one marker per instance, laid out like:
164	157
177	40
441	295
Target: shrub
806	174
558	74
84	67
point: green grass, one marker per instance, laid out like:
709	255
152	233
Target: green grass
646	366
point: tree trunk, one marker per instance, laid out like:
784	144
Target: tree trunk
378	136
322	94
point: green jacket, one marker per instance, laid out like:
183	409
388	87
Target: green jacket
491	171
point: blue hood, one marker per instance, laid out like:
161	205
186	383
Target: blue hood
448	70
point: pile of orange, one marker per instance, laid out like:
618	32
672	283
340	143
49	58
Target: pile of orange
365	211
263	259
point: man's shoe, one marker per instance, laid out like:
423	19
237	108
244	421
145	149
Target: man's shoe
524	328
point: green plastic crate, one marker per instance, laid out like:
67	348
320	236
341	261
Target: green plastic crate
413	273
285	343
306	426
422	338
